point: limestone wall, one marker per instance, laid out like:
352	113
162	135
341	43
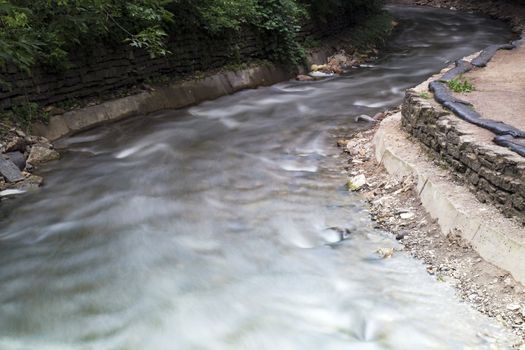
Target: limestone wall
100	70
494	174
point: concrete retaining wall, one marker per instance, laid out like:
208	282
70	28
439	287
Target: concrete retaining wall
177	95
494	174
499	240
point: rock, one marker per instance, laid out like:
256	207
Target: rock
357	182
31	183
513	307
407	215
342	142
320	74
318	67
17	158
385	253
401	235
16	144
33	140
364	118
10	171
302	77
40	154
338	63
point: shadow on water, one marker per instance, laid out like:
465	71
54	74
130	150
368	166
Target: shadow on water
209	227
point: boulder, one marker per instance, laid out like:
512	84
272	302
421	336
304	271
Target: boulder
18	158
10	171
40	154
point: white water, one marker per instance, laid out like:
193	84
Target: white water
209	228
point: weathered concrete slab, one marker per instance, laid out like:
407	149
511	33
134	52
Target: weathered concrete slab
499	240
10	171
177	95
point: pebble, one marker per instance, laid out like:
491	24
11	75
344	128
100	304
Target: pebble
407	216
357	182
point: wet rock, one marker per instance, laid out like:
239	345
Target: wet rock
40	154
32	182
320	74
513	307
356	182
302	77
364	118
401	235
17	158
10	171
385	253
342	142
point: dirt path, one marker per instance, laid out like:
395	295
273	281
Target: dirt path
500	88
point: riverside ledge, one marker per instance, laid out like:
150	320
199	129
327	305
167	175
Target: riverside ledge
173	96
497	239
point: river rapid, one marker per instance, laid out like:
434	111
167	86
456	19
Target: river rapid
212	227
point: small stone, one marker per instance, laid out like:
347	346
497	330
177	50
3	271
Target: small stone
357	182
401	235
513	307
318	67
364	118
406	216
342	142
385	253
302	77
39	155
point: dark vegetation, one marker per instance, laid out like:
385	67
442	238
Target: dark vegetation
46	32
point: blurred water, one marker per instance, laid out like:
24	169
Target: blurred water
209	227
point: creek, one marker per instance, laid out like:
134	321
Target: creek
211	227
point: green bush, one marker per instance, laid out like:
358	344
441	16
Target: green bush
48	31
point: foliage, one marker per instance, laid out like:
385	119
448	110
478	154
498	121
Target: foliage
48	30
460	85
51	31
372	32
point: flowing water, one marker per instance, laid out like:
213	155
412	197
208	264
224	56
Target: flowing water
209	227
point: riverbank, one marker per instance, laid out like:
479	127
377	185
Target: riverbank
23	150
395	206
400	204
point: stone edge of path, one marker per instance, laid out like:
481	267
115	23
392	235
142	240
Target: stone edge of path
173	96
497	239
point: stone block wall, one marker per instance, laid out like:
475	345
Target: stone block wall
494	174
104	69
